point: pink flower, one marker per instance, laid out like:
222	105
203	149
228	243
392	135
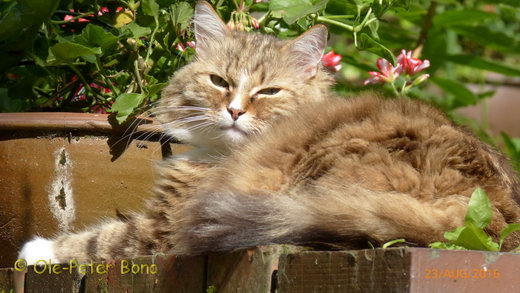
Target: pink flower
411	65
331	60
255	23
180	47
71	18
100	109
102	11
388	73
191	44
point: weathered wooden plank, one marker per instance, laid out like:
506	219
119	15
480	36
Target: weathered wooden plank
246	270
168	274
6	280
52	278
373	270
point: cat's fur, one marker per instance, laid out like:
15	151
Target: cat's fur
299	165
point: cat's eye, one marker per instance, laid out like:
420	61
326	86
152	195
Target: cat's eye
218	81
269	91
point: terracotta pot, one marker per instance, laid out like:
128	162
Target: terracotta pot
65	171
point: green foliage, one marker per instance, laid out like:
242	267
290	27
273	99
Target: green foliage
92	56
472	234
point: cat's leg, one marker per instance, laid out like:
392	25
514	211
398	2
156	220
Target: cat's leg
138	234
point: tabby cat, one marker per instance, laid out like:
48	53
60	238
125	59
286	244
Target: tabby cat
280	159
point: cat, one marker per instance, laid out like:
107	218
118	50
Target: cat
281	159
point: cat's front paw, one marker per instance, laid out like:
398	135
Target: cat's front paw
38	249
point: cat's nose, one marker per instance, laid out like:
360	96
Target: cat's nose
235	113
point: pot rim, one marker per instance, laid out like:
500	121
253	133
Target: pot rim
84	122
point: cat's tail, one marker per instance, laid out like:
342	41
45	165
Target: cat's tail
114	238
228	221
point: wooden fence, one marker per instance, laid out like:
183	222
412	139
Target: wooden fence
284	269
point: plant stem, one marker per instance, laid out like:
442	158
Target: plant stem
339	16
396	92
363	23
81	77
334	22
152	38
264	17
84	81
427	25
105	79
138	76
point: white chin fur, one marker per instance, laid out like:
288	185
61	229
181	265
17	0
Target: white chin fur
235	136
38	249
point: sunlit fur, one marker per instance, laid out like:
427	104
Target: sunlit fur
302	166
194	109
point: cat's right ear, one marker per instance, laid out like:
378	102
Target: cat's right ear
307	50
208	27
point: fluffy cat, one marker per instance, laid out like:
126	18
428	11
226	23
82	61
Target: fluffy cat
295	163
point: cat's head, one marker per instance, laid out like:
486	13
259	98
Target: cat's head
240	82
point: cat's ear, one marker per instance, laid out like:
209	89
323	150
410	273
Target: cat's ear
208	26
307	49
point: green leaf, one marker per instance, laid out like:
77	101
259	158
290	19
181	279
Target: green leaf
458	90
150	7
390	243
134	30
465	16
454	234
368	44
182	13
484	36
41	8
472	237
292	10
93	35
68	51
8	104
156	88
444	245
126	105
480	63
479	209
512	144
508	230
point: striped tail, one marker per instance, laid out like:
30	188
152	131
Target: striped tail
227	221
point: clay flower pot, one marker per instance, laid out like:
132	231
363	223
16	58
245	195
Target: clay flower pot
65	171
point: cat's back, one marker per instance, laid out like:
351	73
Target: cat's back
386	145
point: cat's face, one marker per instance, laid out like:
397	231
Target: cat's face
240	83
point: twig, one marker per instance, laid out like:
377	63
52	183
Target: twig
426	26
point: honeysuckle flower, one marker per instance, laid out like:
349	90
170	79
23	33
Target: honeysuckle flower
411	65
255	23
331	60
420	79
191	44
180	47
388	72
103	10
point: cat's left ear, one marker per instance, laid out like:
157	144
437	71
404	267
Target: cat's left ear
208	27
307	49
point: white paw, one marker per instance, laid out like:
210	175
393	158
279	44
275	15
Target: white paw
38	249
